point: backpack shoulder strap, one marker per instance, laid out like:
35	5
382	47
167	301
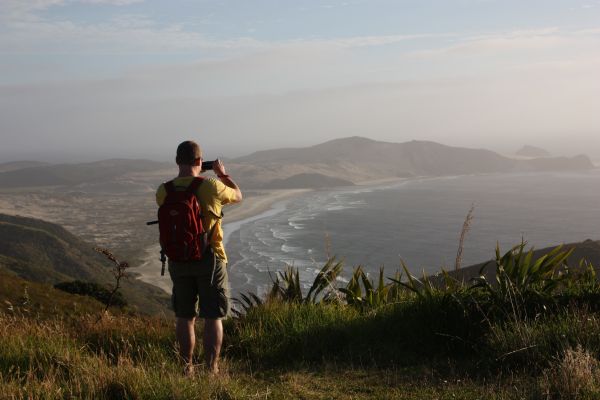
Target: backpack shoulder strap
169	187
195	184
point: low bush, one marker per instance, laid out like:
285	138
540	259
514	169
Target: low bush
94	290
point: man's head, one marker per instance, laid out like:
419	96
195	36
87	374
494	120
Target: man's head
188	153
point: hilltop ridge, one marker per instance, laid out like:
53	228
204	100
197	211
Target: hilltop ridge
532	152
361	159
337	162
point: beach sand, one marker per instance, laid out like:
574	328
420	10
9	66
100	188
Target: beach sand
259	203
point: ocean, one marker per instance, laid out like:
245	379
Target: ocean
418	221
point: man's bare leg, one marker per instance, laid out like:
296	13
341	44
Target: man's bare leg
186	337
213	338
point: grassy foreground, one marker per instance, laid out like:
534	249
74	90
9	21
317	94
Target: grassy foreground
531	333
135	358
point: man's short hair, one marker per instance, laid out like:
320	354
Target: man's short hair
188	152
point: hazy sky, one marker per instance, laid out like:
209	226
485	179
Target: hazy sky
92	79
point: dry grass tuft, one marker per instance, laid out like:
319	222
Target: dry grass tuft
575	376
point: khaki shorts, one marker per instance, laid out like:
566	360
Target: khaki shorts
200	288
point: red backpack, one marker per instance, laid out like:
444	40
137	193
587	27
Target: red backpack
182	236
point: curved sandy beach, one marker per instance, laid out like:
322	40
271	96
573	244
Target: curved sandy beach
259	203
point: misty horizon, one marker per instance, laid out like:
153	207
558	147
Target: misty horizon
228	154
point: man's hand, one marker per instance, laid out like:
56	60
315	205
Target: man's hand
219	170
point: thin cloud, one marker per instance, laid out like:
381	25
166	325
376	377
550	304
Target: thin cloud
588	32
112	2
537	39
131	34
27	9
27	31
16	11
373	41
138	34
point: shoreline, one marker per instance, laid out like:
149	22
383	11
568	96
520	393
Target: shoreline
252	206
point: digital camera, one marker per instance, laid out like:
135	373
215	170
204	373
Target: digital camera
207	165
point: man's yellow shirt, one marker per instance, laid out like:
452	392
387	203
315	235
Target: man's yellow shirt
212	195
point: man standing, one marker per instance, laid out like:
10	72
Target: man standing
201	288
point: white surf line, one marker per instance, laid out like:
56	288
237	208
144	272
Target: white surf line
232	227
280	206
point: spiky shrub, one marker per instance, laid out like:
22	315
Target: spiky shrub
425	288
245	303
522	286
361	292
288	288
582	288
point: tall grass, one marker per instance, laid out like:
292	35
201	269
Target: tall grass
118	358
281	333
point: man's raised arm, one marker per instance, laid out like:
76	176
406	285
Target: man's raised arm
219	170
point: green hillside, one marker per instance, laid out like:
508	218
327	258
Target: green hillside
41	300
43	252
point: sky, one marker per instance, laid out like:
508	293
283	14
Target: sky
94	79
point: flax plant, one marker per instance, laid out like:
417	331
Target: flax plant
522	284
288	288
375	294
